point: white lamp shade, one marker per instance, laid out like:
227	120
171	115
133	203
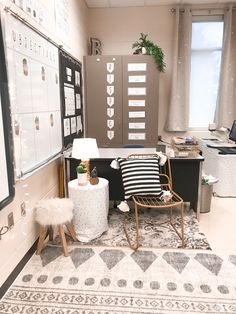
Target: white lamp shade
85	148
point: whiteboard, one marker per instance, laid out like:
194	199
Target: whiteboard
4	190
7	189
33	75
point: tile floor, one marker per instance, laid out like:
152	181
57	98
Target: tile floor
219	225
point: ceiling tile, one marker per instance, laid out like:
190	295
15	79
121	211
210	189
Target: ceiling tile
97	3
161	2
126	3
138	3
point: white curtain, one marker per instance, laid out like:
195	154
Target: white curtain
178	113
226	102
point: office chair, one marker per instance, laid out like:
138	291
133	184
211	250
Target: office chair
160	199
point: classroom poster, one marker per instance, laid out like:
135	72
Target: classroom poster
71	98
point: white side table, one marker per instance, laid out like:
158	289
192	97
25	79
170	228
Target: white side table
91	209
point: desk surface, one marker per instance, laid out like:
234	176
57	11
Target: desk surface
124	152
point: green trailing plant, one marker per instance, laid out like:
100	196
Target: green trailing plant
81	168
151	49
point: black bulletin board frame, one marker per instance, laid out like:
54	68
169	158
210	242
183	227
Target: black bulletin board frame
7	127
69	67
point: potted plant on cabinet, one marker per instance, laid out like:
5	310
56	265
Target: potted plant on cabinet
146	46
82	174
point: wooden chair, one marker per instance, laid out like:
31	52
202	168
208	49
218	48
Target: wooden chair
153	201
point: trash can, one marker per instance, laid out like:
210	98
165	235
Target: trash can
206	193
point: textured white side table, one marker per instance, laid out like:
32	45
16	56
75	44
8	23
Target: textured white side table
91	209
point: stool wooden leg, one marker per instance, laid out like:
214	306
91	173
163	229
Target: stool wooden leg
63	240
42	234
71	231
50	233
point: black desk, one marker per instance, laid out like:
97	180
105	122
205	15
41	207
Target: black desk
186	177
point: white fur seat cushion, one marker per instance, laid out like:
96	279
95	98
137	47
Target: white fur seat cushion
54	211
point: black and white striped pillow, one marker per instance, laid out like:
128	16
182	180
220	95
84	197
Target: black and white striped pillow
140	176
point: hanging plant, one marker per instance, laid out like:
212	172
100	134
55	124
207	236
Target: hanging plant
150	49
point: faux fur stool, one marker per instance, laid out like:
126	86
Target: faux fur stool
54	212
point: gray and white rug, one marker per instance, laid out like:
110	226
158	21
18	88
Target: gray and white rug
155	230
102	280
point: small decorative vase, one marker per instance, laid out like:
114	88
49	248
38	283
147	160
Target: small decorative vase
144	50
94	181
82	178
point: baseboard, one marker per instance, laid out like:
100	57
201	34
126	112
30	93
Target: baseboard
17	270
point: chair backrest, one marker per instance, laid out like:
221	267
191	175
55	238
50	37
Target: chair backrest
165	170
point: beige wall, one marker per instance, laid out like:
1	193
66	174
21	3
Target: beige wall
44	182
119	28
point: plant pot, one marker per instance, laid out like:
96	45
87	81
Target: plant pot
82	178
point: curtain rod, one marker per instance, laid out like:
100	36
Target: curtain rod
173	10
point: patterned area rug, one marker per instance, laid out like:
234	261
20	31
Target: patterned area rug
155	230
102	280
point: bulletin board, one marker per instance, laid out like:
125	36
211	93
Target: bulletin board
71	98
7	190
33	74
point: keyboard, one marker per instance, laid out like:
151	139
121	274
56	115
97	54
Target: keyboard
227	150
221	145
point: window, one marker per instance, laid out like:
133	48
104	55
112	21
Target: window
206	49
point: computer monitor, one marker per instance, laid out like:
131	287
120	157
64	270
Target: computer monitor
232	133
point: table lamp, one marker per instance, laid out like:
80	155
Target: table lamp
84	149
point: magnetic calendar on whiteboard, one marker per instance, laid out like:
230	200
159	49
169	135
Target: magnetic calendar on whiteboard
33	72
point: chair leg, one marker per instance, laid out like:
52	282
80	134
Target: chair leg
182	224
132	246
180	235
42	234
71	231
63	240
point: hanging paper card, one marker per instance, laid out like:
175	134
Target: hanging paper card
110	124
110	78
110	67
79	124
66	127
110	134
110	112
110	90
110	101
73	125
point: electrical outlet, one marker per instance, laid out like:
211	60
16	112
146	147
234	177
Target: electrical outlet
22	208
10	219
